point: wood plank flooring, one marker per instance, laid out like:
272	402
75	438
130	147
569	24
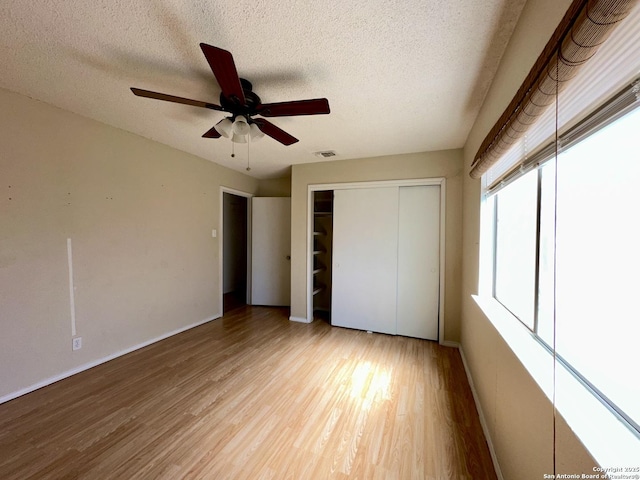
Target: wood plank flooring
254	396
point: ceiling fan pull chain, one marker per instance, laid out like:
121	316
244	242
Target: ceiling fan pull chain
248	149
233	153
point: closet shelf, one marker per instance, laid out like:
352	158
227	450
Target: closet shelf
321	247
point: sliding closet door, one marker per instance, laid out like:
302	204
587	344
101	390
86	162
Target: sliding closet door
365	260
418	262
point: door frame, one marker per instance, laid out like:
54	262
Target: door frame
220	236
436	181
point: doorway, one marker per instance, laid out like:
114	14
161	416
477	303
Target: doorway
235	239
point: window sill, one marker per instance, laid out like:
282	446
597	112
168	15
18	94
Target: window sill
610	442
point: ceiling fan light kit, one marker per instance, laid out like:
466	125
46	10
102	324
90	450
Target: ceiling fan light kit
225	127
255	133
237	97
240	126
235	138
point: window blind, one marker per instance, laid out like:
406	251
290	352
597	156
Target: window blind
585	79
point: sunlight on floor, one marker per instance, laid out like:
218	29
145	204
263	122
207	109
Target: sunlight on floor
369	382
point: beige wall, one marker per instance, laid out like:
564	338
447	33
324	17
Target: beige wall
446	164
275	187
139	215
518	414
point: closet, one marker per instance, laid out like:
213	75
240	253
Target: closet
322	253
386	259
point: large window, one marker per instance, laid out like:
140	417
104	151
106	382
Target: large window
567	259
516	247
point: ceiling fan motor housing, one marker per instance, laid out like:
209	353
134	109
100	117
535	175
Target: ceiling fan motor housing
234	106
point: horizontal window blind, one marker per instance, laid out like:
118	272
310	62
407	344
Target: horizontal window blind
625	100
523	131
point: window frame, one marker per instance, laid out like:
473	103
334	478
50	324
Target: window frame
631	423
548	368
494	278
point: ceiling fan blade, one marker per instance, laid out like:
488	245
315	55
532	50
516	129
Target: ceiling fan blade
172	98
316	106
274	132
211	133
224	69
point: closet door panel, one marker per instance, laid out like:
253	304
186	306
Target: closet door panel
365	261
418	262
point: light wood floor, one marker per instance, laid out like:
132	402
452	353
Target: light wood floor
254	396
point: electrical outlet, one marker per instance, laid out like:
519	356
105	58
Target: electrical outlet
76	343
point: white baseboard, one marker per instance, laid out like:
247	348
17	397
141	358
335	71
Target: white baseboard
483	421
450	344
87	366
299	319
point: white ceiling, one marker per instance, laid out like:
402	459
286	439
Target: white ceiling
401	76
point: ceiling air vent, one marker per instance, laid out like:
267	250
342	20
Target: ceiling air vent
325	154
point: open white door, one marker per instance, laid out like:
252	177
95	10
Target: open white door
270	251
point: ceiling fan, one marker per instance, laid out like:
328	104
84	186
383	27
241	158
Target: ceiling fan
237	97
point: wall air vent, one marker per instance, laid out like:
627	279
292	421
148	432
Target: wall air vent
325	154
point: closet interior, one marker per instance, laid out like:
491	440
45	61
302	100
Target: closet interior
322	253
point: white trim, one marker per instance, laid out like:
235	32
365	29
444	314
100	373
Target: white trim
435	181
443	246
248	196
309	256
308	252
483	420
87	366
413	182
299	319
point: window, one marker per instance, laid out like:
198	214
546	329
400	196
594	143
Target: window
567	259
516	247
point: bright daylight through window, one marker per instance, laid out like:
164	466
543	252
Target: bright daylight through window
590	217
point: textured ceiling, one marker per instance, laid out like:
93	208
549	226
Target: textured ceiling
401	76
